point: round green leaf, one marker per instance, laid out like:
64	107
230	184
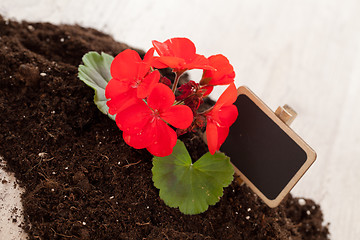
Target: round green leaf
191	187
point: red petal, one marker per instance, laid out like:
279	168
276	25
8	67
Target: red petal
148	84
122	101
162	48
222	135
182	47
149	55
198	62
158	64
214	115
134	118
161	97
143	70
135	141
228	97
125	65
224	73
165	140
179	116
115	87
141	139
228	115
207	89
212	137
180	54
172	62
176	47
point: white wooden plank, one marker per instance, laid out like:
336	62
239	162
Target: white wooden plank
11	215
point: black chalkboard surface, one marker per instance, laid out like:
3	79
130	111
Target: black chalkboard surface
266	153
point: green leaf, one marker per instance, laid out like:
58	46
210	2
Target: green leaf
96	74
191	187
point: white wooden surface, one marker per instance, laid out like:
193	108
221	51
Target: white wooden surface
305	53
10	207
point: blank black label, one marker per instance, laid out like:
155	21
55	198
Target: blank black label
261	150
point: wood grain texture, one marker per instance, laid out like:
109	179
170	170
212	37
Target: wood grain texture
11	215
303	53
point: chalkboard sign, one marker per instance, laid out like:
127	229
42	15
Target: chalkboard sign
268	155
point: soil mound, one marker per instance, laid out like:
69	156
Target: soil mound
81	180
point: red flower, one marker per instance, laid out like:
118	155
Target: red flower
145	125
179	54
220	118
222	75
131	80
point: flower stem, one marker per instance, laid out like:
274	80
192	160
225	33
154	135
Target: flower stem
179	103
206	111
176	81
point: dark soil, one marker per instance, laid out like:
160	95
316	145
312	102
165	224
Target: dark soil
81	180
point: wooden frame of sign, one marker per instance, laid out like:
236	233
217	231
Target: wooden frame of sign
266	153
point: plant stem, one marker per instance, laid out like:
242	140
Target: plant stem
206	111
176	81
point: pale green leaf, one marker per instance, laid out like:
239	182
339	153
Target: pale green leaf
96	74
191	187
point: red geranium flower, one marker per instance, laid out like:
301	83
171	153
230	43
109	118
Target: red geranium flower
220	118
179	54
131	80
222	75
145	125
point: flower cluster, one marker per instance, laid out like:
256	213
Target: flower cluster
146	108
